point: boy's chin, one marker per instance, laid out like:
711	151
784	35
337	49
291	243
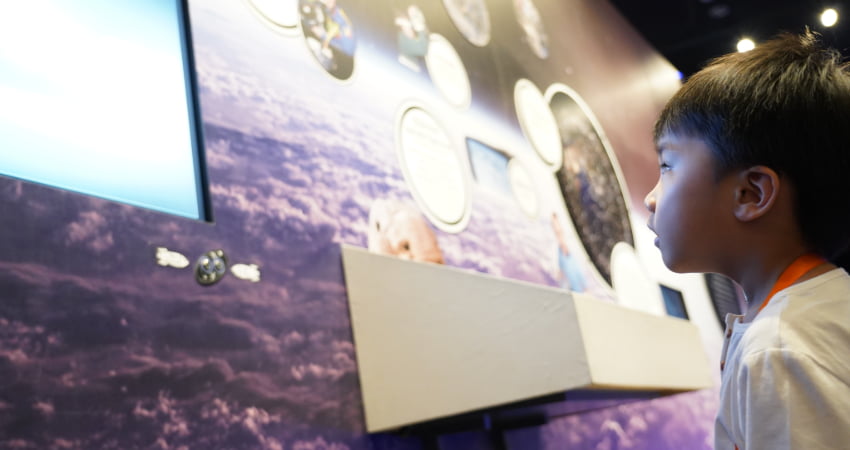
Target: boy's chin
677	265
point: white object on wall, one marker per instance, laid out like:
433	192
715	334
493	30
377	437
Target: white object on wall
435	341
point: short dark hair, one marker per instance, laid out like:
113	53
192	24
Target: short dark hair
784	105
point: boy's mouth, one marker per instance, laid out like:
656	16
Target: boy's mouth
649	225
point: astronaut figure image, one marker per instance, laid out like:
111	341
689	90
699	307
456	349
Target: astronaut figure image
413	37
329	34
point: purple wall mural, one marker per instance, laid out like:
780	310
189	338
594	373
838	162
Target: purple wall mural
409	127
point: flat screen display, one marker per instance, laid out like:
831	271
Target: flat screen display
489	166
97	98
674	302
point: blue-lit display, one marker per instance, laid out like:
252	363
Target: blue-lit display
95	98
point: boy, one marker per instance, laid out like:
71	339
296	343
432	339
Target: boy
754	152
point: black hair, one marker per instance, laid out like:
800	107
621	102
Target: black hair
784	105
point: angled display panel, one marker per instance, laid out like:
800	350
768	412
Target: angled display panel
98	99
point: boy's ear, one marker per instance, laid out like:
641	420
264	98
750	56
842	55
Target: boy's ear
756	192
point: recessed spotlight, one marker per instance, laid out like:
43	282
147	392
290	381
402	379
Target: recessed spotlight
745	45
829	17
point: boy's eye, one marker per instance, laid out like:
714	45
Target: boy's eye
663	166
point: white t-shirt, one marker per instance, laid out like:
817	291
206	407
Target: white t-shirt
786	383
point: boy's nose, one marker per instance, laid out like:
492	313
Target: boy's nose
649	200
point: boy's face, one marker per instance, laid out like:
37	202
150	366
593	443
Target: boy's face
691	211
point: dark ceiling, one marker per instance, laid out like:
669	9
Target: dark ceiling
691	32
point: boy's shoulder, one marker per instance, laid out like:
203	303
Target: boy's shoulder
810	320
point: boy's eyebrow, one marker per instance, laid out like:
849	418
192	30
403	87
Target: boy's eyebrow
660	146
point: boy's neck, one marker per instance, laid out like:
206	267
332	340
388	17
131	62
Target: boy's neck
759	280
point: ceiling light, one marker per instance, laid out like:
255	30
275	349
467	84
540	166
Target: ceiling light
745	45
829	17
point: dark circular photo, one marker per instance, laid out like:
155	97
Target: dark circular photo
329	35
472	19
531	22
589	182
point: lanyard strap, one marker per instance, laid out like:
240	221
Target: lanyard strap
789	276
792	273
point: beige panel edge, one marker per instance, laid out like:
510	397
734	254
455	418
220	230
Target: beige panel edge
434	341
633	350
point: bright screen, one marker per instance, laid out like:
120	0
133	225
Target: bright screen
674	302
96	97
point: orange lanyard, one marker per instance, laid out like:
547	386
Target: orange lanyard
792	273
789	276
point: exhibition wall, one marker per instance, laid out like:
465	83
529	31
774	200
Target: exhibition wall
203	305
